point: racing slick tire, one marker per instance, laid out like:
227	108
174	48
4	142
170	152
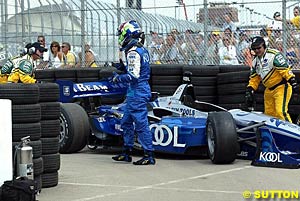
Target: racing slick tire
74	126
221	137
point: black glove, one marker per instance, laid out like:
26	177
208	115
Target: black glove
249	96
120	66
294	85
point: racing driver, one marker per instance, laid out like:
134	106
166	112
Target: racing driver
271	67
131	40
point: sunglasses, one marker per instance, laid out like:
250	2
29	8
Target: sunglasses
256	48
40	41
63	46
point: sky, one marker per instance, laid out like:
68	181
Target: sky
260	8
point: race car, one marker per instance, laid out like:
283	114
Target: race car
180	124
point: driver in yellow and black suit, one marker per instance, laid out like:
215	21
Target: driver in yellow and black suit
22	67
271	67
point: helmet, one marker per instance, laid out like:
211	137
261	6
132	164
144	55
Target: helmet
127	31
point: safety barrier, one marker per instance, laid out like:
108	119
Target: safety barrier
224	85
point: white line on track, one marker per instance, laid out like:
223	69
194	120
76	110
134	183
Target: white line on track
156	186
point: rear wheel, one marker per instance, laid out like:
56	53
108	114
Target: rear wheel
221	137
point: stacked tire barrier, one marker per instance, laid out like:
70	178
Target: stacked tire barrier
165	78
204	81
223	85
50	129
231	83
294	106
26	117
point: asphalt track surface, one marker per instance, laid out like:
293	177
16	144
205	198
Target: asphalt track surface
93	176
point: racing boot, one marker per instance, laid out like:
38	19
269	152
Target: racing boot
124	156
148	159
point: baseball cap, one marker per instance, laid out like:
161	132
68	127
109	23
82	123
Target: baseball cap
216	32
257	41
39	47
276	14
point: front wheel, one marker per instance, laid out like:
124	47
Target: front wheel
74	128
221	137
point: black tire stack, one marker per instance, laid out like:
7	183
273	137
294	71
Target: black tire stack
259	98
165	78
50	129
294	105
87	74
47	75
26	116
204	81
231	83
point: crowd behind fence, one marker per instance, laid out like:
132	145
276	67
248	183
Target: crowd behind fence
213	41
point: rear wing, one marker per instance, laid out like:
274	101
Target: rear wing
69	90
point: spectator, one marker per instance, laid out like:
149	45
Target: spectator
242	47
229	34
278	45
214	43
295	21
292	52
22	67
154	47
170	51
175	32
182	47
227	53
56	56
275	24
228	23
43	62
89	57
264	34
69	58
198	49
190	49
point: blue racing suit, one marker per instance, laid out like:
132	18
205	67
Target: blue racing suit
138	95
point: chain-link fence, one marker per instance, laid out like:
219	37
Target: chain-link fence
221	35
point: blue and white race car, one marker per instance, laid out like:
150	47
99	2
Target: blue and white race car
182	125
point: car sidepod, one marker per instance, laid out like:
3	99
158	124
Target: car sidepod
178	134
